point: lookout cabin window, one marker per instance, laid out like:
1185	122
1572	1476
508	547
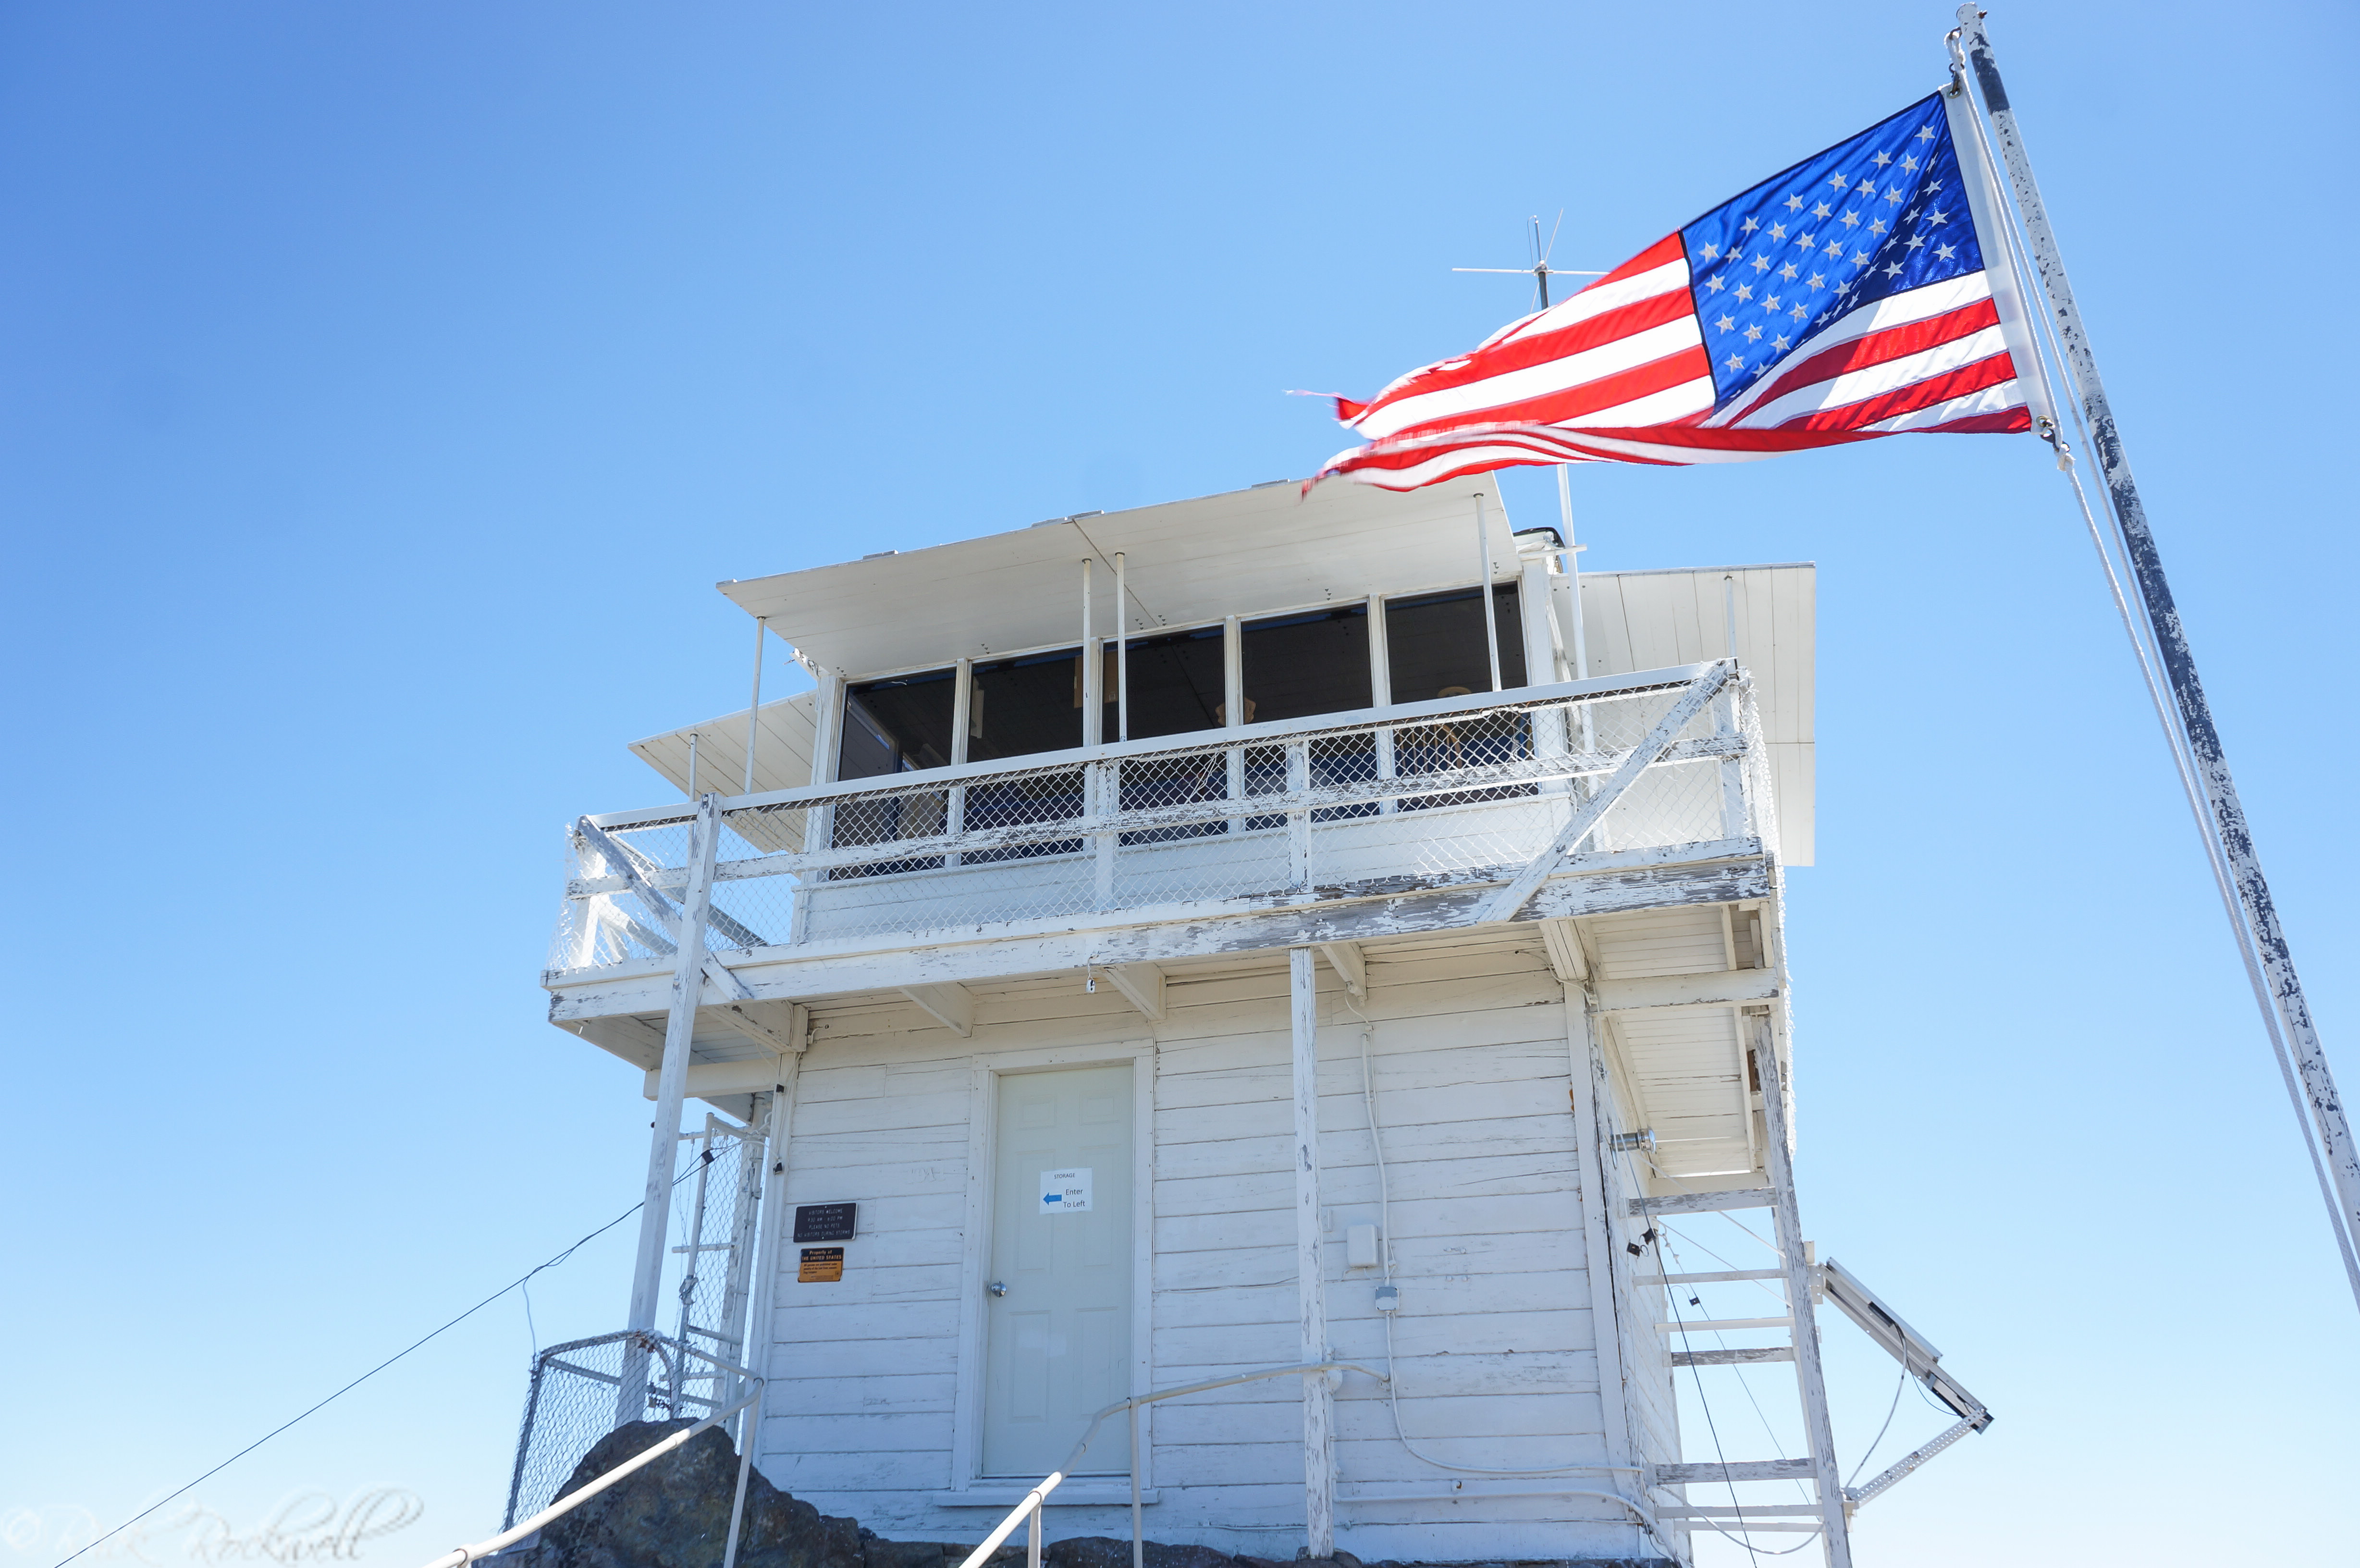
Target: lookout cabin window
1434	644
1434	647
1021	707
1176	684
899	725
1296	667
1300	665
1024	706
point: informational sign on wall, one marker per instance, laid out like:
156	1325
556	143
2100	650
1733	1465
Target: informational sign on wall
820	1266
1065	1191
825	1222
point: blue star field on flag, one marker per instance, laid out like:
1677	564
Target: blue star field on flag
1881	213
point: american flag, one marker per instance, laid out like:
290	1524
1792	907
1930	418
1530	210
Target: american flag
1841	301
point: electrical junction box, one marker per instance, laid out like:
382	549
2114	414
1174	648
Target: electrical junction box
1360	1247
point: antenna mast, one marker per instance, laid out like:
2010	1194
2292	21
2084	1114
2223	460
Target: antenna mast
1541	271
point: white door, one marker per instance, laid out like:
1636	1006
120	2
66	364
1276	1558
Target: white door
1058	1342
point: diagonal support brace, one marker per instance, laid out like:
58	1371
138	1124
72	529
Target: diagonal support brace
1906	1464
1504	905
631	865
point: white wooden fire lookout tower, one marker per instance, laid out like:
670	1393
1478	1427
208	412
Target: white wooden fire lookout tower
1253	933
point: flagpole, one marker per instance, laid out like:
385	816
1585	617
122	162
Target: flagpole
2285	1009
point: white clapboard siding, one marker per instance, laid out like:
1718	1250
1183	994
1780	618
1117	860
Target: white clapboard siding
1646	620
1658	941
1494	1345
887	1394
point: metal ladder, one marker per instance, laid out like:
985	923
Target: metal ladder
1807	1283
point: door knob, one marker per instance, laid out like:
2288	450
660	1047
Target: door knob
997	1287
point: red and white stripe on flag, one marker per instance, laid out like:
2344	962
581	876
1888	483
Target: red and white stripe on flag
1842	300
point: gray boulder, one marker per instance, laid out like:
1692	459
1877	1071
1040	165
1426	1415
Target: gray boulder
675	1512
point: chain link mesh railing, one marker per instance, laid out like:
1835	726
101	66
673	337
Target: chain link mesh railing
713	1249
585	1388
1464	795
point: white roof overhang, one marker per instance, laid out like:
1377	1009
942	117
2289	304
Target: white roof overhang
1186	562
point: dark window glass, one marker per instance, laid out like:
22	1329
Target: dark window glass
1023	706
901	726
1175	684
1434	644
1175	687
1299	666
897	725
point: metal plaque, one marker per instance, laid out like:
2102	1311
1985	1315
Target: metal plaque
824	1222
821	1266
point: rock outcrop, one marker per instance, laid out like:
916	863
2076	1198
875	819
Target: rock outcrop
675	1514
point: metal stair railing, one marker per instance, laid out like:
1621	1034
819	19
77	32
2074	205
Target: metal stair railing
1028	1512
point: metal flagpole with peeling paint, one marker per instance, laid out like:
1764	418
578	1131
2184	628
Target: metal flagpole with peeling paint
2244	891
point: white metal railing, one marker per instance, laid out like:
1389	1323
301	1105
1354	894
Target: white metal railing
1456	791
1030	1509
460	1556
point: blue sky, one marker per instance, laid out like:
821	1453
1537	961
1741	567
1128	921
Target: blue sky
383	389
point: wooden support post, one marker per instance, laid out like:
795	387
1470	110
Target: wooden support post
1585	1070
770	1254
1483	589
1121	651
1233	708
819	821
687	985
962	720
1544	652
1726	728
1299	823
1787	1218
671	1086
1381	694
1101	804
1310	1286
754	703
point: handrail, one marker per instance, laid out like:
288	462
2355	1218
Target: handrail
1274	733
1524	770
1030	1506
460	1556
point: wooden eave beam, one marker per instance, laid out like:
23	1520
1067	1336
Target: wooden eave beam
1617	885
1729	988
952	1005
1565	954
1701	1203
758	1021
1351	966
710	1080
1735	1470
1142	984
